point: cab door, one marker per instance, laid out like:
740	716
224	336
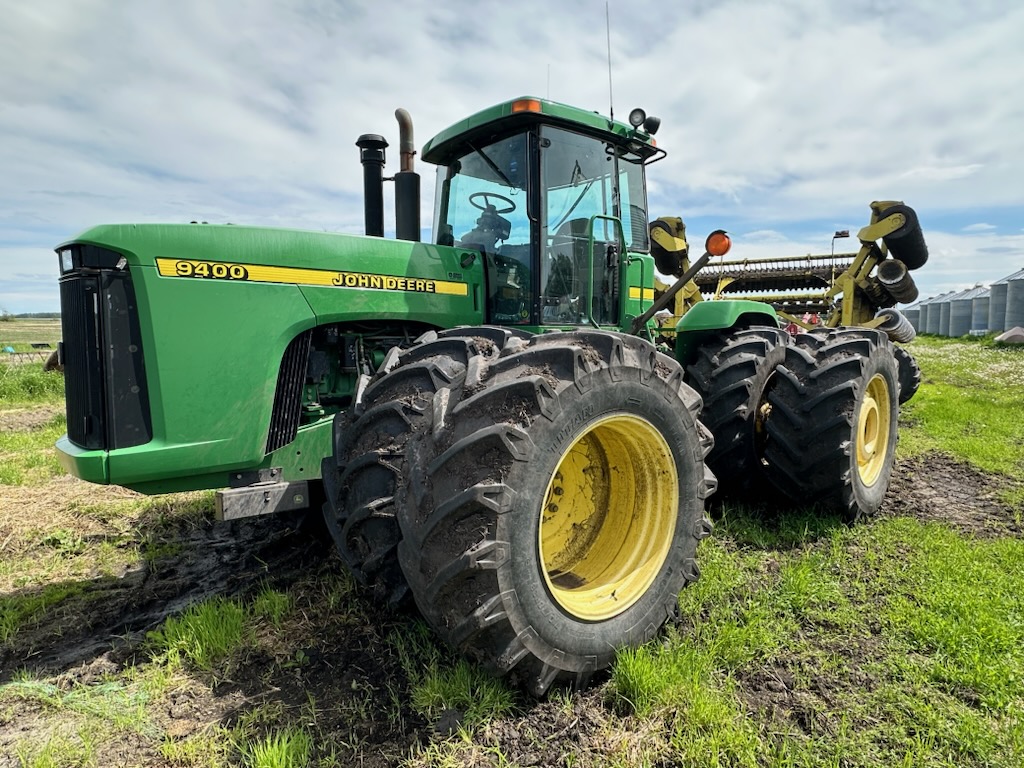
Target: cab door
593	211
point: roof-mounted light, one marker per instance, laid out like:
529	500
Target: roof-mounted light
526	105
639	119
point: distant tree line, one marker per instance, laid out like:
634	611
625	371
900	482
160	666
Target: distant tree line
6	316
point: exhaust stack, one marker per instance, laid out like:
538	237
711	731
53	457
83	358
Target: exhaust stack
407	183
371	155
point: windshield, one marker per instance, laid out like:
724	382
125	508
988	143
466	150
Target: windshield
560	264
589	186
482	204
579	181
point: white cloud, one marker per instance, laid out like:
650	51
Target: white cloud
777	117
979	227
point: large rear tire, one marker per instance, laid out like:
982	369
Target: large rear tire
362	477
733	373
832	432
556	506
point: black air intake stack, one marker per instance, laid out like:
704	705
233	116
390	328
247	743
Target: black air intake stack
407	183
371	155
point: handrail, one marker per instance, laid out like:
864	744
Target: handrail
617	222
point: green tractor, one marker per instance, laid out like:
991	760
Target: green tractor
496	430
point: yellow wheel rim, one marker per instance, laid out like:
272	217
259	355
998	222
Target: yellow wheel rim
609	517
873	425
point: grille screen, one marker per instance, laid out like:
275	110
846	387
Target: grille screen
284	422
106	397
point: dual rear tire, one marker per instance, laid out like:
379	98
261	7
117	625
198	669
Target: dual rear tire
833	426
812	418
541	498
545	496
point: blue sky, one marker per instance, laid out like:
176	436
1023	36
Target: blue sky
782	120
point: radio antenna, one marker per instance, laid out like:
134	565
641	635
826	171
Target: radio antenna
608	29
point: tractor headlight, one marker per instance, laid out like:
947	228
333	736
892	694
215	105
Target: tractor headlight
67	261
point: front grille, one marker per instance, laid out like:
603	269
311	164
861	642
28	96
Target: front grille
284	421
83	372
107	400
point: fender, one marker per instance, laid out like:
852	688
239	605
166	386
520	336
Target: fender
708	317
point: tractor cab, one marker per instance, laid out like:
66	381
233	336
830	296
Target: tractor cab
553	199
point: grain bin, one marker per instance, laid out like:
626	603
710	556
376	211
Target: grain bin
997	305
933	313
944	313
1014	301
961	308
925	306
945	305
979	313
913	314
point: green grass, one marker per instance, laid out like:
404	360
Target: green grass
914	634
208	749
29	384
21	332
110	700
805	642
271	605
464	688
969	405
204	635
288	748
58	752
28	457
27	608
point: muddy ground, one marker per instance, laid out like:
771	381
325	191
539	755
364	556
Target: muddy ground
341	654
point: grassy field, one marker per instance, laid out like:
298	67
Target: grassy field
135	631
20	333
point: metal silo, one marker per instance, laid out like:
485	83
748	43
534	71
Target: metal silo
997	306
925	306
913	314
979	312
944	314
1014	301
961	309
934	313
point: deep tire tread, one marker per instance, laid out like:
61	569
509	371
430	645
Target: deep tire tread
815	402
732	373
450	551
371	440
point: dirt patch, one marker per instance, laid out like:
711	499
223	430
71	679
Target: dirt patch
936	488
109	614
341	655
27	419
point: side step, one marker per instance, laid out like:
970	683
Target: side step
262	499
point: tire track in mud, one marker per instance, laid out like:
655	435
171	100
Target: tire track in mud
935	488
112	613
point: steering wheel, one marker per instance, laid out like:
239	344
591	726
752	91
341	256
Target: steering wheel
486	197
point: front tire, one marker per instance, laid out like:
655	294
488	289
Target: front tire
555	508
368	465
832	434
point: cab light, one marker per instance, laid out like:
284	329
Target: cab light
526	105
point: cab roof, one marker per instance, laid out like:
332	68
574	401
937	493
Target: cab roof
527	110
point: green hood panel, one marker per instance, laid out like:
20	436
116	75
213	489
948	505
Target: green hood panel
217	307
